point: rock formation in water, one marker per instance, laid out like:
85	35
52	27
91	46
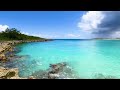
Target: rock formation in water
54	71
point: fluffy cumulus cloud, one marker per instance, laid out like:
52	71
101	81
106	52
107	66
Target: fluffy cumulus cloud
3	27
101	23
90	20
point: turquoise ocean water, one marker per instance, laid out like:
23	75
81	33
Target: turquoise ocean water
87	59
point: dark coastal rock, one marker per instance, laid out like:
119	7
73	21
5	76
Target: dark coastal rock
8	75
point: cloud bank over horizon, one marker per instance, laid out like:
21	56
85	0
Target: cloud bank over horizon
101	23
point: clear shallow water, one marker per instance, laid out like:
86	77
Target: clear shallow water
86	58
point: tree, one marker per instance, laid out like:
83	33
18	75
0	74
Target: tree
14	34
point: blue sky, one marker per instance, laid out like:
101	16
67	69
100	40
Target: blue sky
61	24
53	24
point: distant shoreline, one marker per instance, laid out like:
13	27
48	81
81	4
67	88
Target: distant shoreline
107	39
86	39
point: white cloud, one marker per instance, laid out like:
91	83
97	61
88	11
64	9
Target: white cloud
101	23
45	35
25	33
3	27
41	35
90	20
72	35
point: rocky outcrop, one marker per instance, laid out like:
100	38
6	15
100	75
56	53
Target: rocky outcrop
12	73
55	69
6	73
5	47
8	46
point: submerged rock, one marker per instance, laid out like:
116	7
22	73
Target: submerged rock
55	70
61	71
52	73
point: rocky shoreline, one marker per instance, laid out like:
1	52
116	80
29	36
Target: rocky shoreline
54	71
8	46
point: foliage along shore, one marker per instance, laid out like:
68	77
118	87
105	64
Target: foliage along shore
14	34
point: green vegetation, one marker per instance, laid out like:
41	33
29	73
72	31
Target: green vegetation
14	34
